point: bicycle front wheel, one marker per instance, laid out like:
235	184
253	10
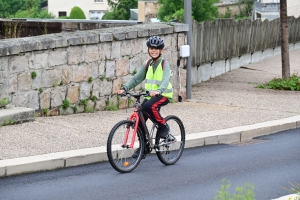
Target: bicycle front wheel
170	150
119	152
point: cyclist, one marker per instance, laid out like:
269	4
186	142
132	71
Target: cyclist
156	73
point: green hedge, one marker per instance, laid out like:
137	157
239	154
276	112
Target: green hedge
77	13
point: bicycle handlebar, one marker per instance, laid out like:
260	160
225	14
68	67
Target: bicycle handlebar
145	94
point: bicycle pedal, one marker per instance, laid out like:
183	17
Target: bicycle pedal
164	143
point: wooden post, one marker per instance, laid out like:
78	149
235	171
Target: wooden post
284	40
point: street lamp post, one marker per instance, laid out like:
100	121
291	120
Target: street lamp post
188	20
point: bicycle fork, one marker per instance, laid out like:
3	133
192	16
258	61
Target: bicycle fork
135	119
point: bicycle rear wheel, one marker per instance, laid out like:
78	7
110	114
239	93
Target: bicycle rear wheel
120	154
170	150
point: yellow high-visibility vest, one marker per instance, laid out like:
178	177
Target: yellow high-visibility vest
153	81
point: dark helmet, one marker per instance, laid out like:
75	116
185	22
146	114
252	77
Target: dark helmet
155	42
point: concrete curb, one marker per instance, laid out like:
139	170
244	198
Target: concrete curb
289	197
98	154
16	115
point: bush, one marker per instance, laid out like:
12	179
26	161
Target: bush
292	83
77	13
64	17
109	16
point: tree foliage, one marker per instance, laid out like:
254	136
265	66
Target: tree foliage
109	15
77	13
120	9
22	9
245	12
10	7
33	12
31	4
201	10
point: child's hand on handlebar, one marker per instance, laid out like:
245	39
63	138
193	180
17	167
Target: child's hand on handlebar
121	91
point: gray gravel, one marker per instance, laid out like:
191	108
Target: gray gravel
226	101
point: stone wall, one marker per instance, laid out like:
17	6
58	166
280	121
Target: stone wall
80	71
32	27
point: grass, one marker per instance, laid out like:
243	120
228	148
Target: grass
241	192
102	77
93	98
46	111
84	101
75	109
66	104
295	188
87	109
292	83
33	75
8	121
56	83
110	106
3	102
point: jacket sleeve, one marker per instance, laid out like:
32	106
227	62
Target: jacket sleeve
137	78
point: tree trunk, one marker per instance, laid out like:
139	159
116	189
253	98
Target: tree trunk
284	40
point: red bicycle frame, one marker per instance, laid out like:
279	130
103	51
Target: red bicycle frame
133	117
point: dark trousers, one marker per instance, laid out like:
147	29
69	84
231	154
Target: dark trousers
151	109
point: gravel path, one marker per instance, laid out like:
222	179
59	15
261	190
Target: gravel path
226	101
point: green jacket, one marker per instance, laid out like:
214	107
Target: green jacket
141	75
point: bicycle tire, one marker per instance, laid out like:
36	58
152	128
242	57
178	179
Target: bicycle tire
120	155
169	152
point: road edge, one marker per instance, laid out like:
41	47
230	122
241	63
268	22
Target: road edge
78	157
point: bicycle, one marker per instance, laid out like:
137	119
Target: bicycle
127	138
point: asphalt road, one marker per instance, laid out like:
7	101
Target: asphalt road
270	163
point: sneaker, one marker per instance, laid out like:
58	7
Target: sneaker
170	138
136	154
163	131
